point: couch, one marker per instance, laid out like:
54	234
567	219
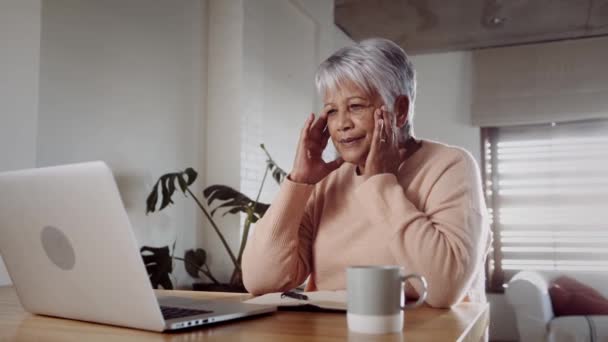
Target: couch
527	293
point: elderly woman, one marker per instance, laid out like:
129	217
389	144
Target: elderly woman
388	199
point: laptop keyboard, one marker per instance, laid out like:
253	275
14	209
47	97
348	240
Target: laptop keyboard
172	313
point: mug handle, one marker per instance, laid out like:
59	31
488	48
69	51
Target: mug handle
422	296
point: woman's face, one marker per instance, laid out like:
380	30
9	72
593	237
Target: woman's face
350	120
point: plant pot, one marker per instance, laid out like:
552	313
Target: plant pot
211	287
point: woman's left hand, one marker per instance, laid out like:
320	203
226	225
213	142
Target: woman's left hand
385	155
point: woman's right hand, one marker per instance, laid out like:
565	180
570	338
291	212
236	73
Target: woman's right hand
309	166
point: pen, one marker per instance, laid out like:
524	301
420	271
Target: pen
294	295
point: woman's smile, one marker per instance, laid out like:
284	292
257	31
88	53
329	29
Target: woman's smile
352	141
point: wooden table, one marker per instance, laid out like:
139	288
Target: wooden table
464	322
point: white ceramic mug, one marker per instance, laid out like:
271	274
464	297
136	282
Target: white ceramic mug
376	298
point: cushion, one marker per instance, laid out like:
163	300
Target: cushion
579	328
570	297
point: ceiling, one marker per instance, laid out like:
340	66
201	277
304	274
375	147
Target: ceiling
423	26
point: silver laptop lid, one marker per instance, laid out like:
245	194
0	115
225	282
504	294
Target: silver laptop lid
69	248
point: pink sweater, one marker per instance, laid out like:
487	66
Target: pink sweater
431	219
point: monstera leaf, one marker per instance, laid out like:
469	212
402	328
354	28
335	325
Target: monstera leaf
166	184
194	260
278	174
234	201
159	265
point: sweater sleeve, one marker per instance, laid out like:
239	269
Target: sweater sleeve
444	241
278	254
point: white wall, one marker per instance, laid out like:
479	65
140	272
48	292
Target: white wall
279	64
443	103
443	112
285	42
120	81
223	120
340	38
19	59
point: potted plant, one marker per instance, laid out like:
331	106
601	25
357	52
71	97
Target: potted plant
159	260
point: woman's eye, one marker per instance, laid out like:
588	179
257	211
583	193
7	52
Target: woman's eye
357	107
331	111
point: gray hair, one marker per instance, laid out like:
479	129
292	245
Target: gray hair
378	66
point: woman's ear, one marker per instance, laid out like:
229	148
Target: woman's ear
402	108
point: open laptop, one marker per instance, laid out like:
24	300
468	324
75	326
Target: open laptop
69	248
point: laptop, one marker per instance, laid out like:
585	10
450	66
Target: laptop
70	251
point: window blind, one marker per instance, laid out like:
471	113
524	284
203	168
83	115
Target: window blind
547	192
539	83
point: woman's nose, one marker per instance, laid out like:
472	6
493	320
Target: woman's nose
344	121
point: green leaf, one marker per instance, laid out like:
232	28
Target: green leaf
233	200
152	199
166	191
167	186
260	209
220	192
159	265
277	173
277	176
183	184
239	204
234	211
194	260
171	186
191	175
255	218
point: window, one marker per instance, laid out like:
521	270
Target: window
547	192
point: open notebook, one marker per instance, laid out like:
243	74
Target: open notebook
317	301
